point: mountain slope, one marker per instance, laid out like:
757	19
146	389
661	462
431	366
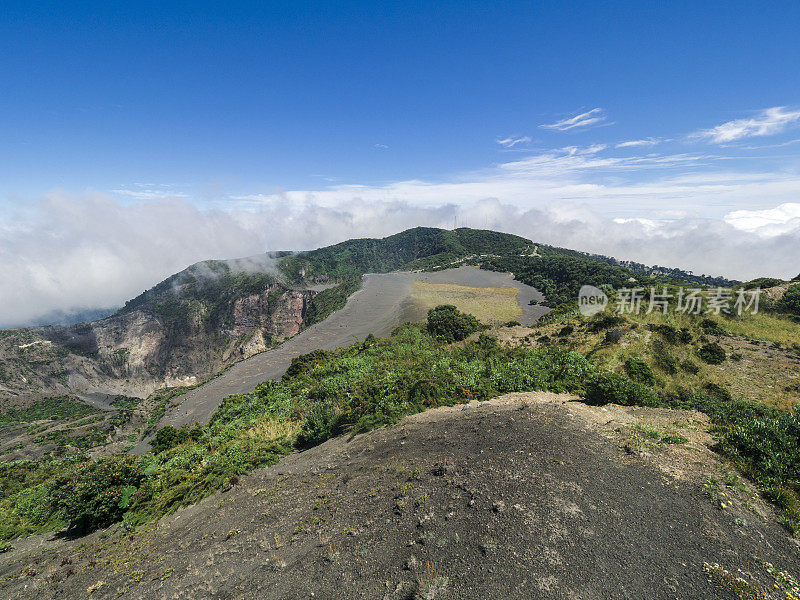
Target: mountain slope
199	322
182	331
204	318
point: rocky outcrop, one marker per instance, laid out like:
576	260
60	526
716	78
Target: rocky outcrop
288	318
138	351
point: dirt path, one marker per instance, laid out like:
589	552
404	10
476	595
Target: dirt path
378	307
526	496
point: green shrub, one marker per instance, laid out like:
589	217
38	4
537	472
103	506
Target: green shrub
789	500
667	331
717	391
613	336
566	330
663	358
323	422
712	353
790	302
609	388
165	438
690	367
306	362
764	441
672	335
448	324
168	437
639	370
552	369
604	321
767	440
96	493
711	327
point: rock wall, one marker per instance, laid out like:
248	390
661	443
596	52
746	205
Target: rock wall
135	353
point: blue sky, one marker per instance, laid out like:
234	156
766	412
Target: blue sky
265	96
140	137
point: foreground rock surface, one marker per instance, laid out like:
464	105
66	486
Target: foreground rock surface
526	496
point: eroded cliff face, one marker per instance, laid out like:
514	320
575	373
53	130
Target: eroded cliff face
137	352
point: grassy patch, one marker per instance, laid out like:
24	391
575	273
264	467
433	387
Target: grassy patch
489	304
61	407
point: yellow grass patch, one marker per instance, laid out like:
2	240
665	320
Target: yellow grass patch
273	429
488	304
765	326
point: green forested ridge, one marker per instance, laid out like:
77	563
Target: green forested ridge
208	288
327	301
560	276
412	248
557	272
651	271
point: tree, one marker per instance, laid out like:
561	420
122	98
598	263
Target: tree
96	493
446	323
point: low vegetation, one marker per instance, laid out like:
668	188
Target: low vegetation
60	407
366	385
790	302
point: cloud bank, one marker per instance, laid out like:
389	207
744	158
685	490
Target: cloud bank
69	252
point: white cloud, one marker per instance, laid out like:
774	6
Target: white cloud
582	120
381	146
147	192
617	185
765	146
84	251
639	143
768	222
511	141
768	122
